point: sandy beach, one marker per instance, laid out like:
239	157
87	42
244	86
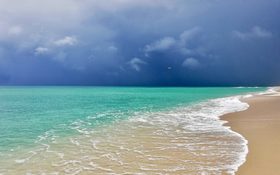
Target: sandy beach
260	125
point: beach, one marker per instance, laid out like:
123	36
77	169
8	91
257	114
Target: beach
260	125
90	130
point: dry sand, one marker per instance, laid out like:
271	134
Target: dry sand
260	125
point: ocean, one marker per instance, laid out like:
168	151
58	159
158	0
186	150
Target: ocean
120	130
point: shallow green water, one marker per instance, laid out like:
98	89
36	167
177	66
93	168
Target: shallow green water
28	112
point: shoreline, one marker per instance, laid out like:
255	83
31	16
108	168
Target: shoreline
162	141
260	126
183	140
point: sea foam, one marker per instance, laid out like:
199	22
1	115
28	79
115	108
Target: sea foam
204	119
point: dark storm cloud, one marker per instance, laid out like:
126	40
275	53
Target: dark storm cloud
155	42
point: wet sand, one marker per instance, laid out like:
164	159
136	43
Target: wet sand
260	125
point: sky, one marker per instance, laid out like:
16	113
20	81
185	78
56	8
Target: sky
140	42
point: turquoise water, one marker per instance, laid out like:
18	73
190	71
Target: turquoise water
28	112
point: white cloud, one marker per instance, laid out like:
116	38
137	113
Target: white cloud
180	44
136	63
189	34
255	32
112	48
66	41
191	63
160	45
41	50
